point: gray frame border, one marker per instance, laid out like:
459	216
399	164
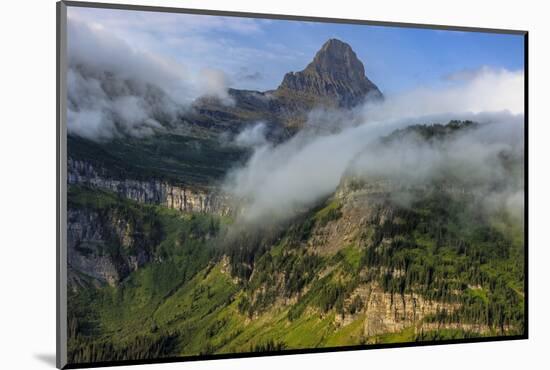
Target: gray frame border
61	187
287	17
61	175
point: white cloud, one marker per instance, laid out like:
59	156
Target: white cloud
279	180
252	137
198	41
486	90
124	90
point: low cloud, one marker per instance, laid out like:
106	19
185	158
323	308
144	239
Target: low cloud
115	89
253	136
486	90
214	83
280	180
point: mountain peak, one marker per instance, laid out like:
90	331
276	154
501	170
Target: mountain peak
332	54
335	73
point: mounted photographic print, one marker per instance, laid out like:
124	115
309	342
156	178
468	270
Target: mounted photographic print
234	184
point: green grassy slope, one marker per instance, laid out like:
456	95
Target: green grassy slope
202	292
191	301
198	161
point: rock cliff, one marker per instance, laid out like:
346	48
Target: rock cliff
153	191
103	247
335	75
334	79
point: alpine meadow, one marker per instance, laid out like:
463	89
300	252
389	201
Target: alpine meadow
220	204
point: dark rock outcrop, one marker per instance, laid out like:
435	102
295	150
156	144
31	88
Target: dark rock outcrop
151	192
334	79
335	74
103	246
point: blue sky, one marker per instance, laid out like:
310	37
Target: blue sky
255	54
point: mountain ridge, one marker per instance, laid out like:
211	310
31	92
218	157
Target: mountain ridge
335	78
335	72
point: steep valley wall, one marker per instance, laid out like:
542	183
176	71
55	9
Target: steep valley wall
154	191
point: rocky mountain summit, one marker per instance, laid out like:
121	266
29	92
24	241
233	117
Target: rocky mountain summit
334	79
335	74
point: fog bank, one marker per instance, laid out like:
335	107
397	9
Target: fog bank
280	180
114	89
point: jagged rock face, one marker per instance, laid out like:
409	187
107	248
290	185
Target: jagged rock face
335	73
365	204
384	312
334	79
90	240
387	312
152	192
370	202
106	247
